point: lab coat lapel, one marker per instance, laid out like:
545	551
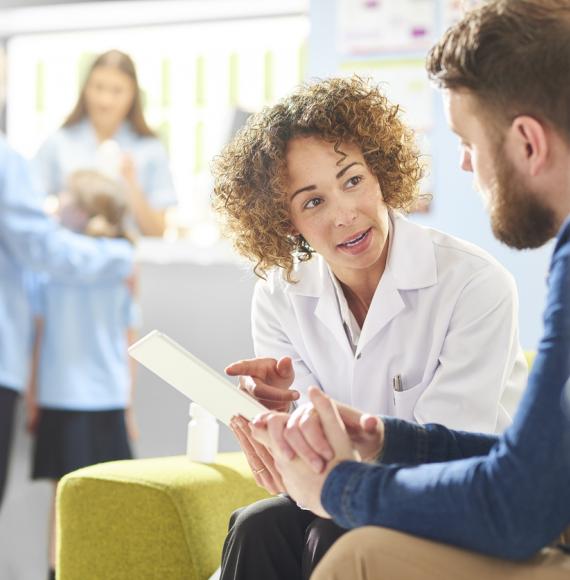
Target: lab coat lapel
411	265
315	284
327	311
412	260
386	304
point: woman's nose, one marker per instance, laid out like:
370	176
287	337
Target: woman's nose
104	98
345	214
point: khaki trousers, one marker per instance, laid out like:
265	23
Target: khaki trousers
373	553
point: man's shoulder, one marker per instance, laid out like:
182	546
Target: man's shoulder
562	248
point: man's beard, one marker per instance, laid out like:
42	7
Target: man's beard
519	218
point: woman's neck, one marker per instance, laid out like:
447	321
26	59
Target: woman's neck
359	287
105	132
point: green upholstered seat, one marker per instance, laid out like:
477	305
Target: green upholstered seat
159	519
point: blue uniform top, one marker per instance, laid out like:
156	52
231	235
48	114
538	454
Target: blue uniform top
30	239
83	361
75	147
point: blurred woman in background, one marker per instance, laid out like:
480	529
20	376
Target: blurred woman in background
107	131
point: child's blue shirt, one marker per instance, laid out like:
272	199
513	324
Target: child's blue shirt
83	355
30	239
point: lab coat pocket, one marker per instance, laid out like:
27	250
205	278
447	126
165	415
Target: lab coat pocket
405	401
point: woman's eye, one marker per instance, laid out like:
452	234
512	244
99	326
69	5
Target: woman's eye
312	203
353	181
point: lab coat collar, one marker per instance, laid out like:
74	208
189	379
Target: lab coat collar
411	260
411	263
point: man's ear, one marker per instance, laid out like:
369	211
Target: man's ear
528	145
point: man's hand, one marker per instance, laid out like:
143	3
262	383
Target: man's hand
266	380
302	434
301	479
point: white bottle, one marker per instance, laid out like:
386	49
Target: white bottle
203	432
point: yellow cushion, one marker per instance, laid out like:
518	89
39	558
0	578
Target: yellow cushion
159	519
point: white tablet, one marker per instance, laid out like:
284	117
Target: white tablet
192	377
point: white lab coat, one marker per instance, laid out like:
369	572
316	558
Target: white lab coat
443	317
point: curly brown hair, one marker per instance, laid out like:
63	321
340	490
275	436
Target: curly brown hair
250	173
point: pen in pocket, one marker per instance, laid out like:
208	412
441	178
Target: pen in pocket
397	384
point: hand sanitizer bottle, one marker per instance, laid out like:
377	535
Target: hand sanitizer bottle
203	433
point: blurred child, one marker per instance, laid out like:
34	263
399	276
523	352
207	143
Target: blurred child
80	396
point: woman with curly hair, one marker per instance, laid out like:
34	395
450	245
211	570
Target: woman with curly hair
379	312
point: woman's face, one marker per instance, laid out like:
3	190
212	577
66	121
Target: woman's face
109	95
336	204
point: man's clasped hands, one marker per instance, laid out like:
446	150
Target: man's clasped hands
293	452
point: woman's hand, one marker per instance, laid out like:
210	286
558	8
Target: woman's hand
131	424
151	221
301	479
32	412
266	380
260	460
128	170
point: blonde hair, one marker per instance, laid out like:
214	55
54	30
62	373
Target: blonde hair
250	173
103	201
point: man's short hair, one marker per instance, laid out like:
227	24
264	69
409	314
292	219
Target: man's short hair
514	56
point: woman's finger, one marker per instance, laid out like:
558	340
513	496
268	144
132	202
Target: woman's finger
269	471
272	397
245	444
258	458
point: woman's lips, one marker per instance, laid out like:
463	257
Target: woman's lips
357	243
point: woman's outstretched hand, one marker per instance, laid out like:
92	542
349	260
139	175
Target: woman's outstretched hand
267	380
